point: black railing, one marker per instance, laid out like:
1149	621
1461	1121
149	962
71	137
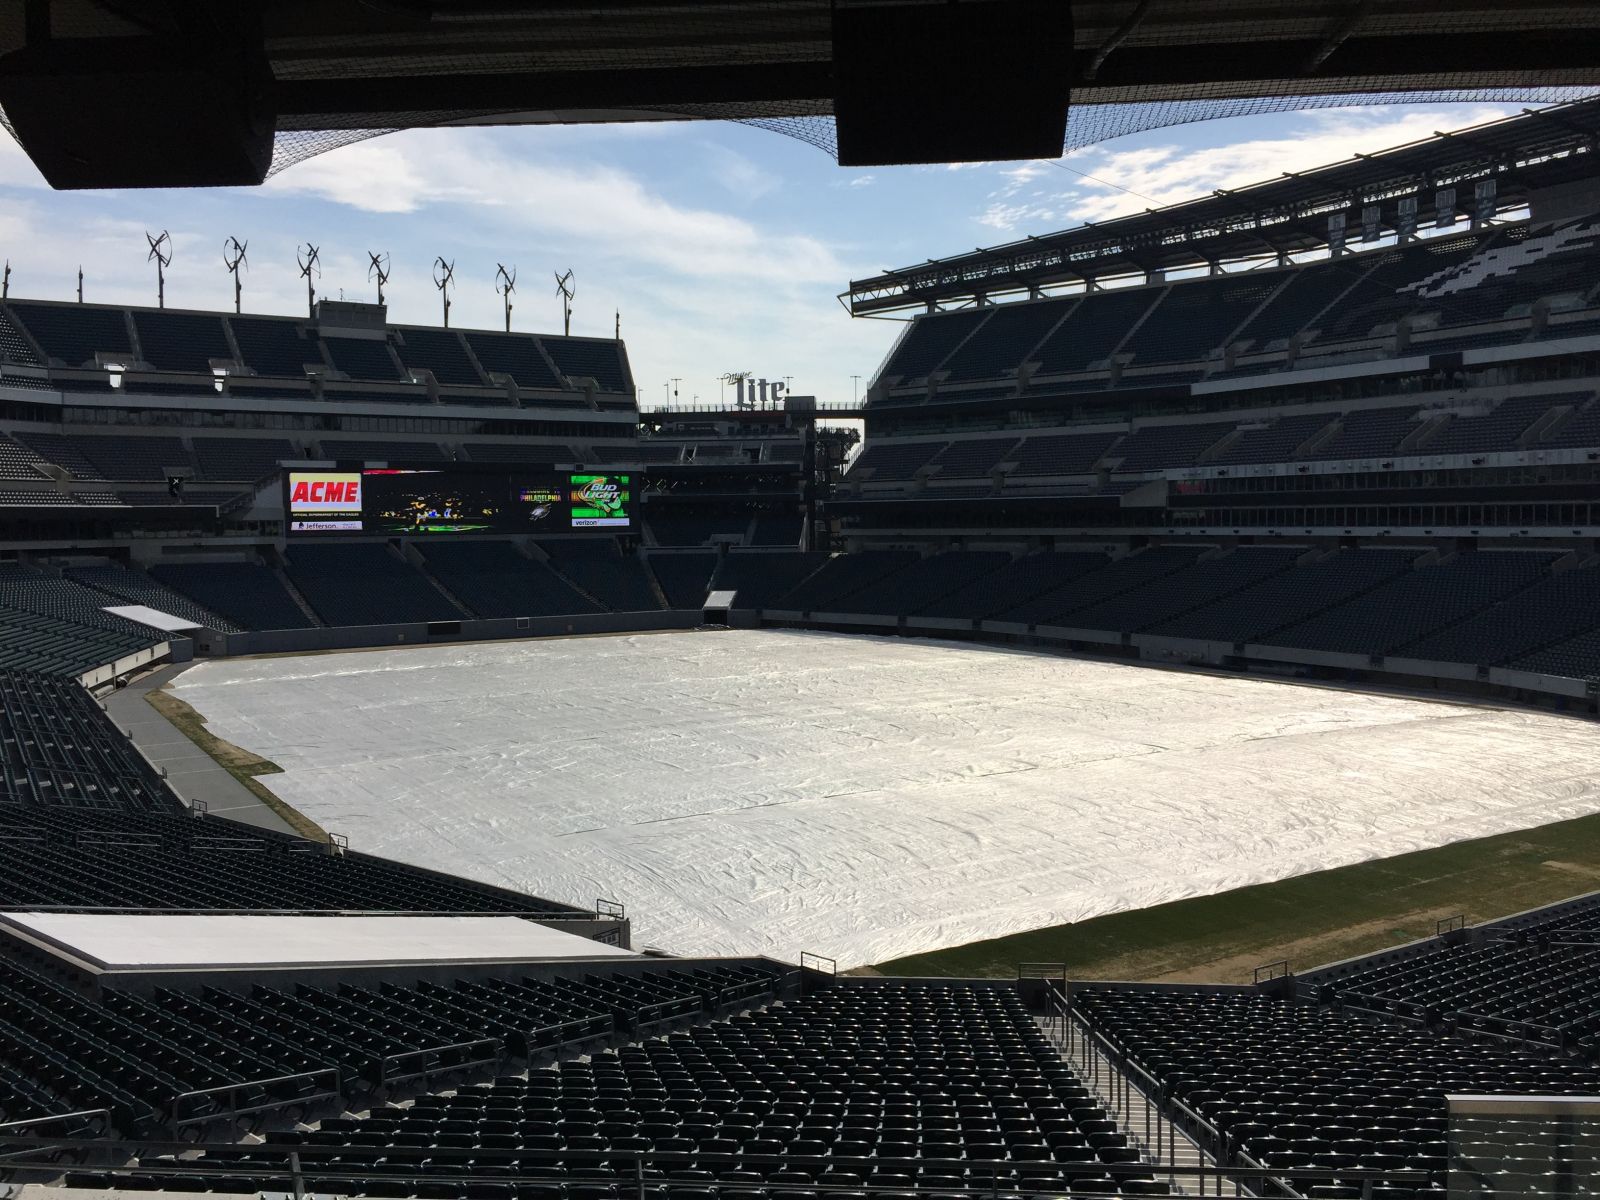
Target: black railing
647	1174
260	1095
438	1060
818	962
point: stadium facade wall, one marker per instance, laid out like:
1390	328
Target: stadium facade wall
1403	674
355	637
146	982
173	650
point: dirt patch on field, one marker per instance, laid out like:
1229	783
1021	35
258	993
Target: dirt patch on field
242	764
1311	951
1582	870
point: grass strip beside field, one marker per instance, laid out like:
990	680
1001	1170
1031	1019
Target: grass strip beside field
1310	920
235	760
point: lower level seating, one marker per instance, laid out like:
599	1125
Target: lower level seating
1287	598
58	749
1575	658
1299	1087
841	577
1112	579
1418	603
685	579
778	529
1162	599
600	569
31	641
1013	584
134	850
672	528
1547	993
880	1086
249	595
136	1053
494	579
365	584
136	587
53	595
759	579
924	581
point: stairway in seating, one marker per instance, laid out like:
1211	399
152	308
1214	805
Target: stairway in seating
295	594
1160	1143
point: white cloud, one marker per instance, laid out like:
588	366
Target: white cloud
1158	175
738	175
592	203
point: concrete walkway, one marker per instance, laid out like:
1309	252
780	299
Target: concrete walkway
193	773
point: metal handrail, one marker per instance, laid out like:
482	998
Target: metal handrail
663	1010
980	1176
532	1046
179	1102
386	1073
1277	969
104	1114
30	1121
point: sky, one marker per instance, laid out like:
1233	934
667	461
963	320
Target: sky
722	246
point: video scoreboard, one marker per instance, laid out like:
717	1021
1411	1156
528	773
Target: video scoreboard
419	501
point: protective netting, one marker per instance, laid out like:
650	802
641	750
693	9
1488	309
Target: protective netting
1087	124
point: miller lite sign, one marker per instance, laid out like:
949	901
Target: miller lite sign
756	393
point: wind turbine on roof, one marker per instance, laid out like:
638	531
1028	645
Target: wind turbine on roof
161	254
310	260
378	268
233	257
505	282
444	275
567	290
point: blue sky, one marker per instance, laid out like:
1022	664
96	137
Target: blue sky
723	246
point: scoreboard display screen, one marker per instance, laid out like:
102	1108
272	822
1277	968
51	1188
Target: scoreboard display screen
428	501
601	502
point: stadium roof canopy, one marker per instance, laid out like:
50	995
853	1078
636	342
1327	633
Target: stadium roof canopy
188	92
1274	220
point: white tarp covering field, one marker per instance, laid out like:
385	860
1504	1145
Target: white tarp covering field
867	798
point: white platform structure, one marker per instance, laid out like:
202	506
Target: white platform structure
772	791
153	617
118	942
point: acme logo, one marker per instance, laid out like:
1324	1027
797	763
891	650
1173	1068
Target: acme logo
326	491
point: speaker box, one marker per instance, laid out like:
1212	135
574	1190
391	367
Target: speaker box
140	111
951	80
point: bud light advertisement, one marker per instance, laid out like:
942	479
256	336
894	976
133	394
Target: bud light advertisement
601	502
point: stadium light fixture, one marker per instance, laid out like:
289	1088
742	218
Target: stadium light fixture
233	257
